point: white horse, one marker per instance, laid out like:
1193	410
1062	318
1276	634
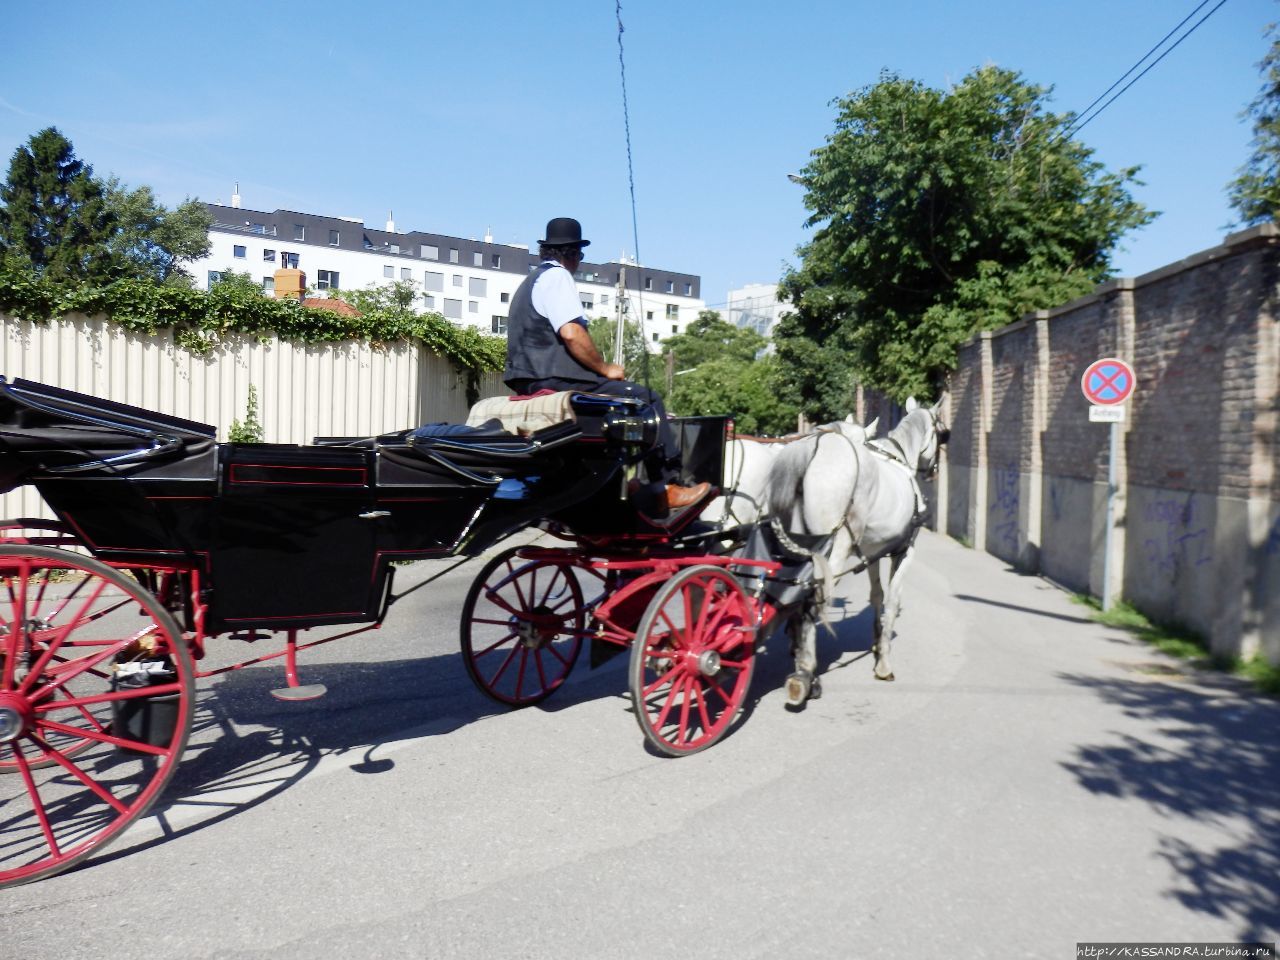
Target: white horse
747	464
863	499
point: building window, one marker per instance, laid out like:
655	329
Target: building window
477	259
433	281
394	247
473	306
675	328
326	279
269	256
388	271
268	284
457	279
586	302
453	309
214	277
505	298
648	283
655	338
333	238
688	289
604	299
498	325
288	260
648	315
238	252
430	252
257	228
496	261
299	232
453	254
671	286
429	300
477	287
406	273
673	311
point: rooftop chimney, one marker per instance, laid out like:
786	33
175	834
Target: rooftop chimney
391	224
235	197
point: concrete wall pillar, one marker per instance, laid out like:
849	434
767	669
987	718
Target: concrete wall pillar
981	482
1118	305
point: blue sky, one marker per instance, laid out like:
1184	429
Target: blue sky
465	117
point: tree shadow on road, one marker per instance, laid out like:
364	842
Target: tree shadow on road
1214	757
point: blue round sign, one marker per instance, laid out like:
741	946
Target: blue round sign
1107	382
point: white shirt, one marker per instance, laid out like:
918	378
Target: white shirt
555	296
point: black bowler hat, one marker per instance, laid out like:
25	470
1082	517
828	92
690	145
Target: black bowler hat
564	232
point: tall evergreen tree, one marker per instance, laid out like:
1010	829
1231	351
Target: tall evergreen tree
54	218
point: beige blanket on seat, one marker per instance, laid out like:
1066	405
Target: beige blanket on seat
523	416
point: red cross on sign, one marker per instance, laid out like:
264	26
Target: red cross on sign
1107	382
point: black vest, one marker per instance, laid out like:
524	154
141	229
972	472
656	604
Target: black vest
534	349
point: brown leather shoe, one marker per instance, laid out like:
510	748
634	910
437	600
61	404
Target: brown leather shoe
678	497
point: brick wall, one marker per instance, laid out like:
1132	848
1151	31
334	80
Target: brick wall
1197	532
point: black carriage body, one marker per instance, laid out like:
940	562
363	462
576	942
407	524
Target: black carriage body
298	536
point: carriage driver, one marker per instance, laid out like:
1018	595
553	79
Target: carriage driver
550	348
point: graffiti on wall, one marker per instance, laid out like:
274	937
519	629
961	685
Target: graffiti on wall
1178	541
1005	509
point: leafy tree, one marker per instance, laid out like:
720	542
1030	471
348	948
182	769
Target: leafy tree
54	218
746	389
1255	193
636	360
939	213
710	338
150	241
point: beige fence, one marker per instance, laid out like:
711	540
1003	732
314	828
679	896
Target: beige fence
303	390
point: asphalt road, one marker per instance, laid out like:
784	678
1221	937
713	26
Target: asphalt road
1031	780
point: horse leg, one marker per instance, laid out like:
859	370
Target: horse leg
803	684
896	572
877	614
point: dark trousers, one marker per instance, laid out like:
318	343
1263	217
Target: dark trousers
616	388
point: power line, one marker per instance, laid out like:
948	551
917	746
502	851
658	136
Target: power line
631	179
1084	119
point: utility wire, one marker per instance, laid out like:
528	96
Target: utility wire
1083	120
631	181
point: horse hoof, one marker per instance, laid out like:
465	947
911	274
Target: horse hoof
889	677
798	689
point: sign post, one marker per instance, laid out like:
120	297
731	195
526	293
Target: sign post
1107	384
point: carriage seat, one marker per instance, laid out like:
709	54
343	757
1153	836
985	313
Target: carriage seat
524	415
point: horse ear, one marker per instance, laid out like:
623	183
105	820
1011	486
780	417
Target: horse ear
849	419
911	404
872	427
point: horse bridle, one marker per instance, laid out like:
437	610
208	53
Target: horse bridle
941	435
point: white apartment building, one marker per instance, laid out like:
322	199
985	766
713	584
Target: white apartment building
468	281
755	307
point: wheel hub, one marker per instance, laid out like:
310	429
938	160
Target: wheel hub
14	717
709	663
538	629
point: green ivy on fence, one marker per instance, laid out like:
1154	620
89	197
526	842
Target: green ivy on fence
201	320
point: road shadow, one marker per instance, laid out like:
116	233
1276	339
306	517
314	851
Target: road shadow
246	747
1222	768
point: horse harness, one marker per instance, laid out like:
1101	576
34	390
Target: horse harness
893	454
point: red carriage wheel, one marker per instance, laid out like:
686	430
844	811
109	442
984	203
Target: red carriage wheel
522	627
692	660
96	692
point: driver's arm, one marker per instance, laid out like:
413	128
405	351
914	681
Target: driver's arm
583	349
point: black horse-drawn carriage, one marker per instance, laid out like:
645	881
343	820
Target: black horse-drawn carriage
166	538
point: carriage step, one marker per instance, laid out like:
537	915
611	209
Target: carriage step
307	691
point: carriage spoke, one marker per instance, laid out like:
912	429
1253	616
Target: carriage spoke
524	661
682	731
104	737
80	775
494	646
59	638
700	693
36	803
